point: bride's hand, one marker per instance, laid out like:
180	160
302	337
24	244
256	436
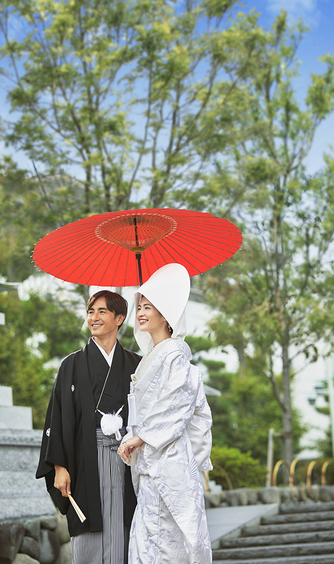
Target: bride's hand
126	449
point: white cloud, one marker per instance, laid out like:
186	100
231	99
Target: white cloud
305	9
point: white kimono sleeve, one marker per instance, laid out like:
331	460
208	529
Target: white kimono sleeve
173	408
199	428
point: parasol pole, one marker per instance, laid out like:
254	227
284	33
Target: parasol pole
138	255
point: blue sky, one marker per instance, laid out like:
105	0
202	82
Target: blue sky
319	16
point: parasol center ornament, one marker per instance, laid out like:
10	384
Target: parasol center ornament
136	233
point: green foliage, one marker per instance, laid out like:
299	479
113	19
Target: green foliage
29	209
58	321
126	337
325	445
245	411
36	331
243	470
118	92
199	344
272	294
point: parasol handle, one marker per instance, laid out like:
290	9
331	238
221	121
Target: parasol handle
138	257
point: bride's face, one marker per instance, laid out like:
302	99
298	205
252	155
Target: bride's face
149	318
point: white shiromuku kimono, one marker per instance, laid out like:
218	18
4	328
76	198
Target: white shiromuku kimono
171	415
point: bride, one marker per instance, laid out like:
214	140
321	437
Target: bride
169	430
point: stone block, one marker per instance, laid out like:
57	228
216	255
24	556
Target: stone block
242	497
19	450
31	547
253	497
61	529
65	555
49	522
222	497
232	498
20	484
269	495
21	437
214	499
21	495
6	396
18	458
32	527
313	492
49	546
325	495
16	507
15	417
302	494
285	495
11	536
207	502
294	494
24	559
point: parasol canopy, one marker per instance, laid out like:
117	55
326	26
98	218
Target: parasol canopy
125	248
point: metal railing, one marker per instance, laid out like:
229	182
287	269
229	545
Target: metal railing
291	469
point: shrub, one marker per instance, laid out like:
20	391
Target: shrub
242	470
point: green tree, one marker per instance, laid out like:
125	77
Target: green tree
29	209
272	295
245	411
324	445
246	408
37	331
116	94
110	103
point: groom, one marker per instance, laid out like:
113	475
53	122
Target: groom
76	457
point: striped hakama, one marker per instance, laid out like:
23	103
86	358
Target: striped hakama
108	546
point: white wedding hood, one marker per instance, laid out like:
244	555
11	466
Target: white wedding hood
168	290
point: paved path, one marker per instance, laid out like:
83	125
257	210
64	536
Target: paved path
224	520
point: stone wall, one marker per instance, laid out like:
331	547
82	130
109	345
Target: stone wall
245	496
39	540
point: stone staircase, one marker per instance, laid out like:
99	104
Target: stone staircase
298	534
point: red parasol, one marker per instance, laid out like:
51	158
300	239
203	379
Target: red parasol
102	250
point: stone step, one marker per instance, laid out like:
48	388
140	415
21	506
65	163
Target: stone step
298	518
287	528
313	559
277	539
278	551
306	508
